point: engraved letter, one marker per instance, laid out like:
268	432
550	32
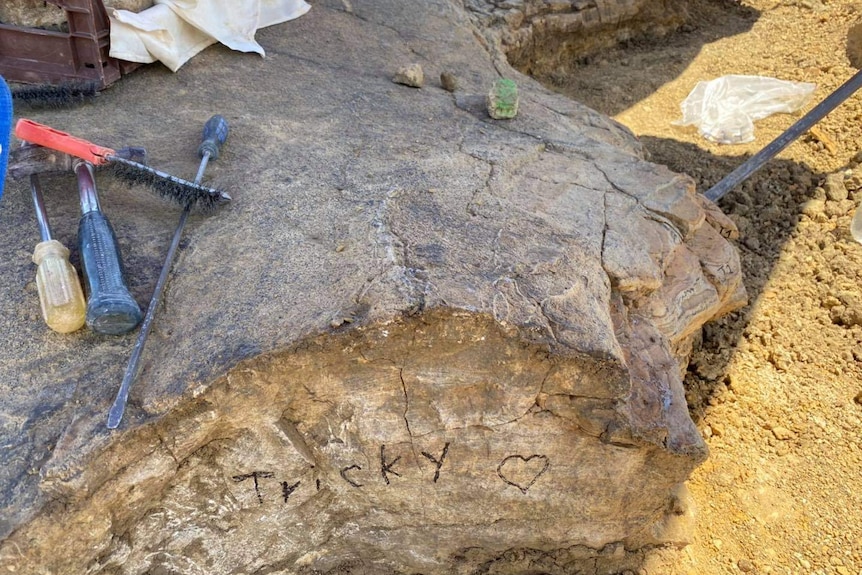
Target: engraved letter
386	468
255	475
287	489
439	463
347	479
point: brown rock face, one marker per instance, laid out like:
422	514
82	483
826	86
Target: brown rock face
540	36
419	340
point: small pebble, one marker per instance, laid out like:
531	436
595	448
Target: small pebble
834	186
854	181
448	81
745	565
782	433
752	243
835	209
781	360
411	75
812	208
858	398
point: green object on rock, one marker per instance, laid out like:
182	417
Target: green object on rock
503	99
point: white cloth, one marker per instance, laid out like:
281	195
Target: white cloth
173	31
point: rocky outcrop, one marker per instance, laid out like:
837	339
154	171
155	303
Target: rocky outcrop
542	37
419	340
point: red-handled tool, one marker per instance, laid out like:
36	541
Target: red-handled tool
46	136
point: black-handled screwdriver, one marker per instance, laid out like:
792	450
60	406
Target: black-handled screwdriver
214	135
111	309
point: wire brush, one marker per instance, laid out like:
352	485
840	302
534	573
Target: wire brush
55	97
184	192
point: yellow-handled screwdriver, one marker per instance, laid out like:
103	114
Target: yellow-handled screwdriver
63	305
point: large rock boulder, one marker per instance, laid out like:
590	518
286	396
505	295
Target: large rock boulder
419	340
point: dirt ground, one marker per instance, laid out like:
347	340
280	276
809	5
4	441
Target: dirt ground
776	388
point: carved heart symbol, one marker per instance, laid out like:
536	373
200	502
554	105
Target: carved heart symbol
522	472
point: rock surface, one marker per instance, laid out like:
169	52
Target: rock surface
418	340
543	37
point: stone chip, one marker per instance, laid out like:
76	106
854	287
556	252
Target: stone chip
411	75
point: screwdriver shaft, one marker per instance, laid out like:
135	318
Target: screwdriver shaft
215	133
41	212
115	415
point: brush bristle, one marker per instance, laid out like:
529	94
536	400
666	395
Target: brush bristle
185	193
55	97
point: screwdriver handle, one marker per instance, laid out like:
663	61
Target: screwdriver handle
46	136
214	135
60	294
111	309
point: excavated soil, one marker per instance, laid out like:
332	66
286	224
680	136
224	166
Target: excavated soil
776	388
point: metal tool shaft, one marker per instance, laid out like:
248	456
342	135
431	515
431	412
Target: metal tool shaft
215	133
119	407
39	204
87	187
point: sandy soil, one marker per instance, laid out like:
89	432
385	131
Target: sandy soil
776	388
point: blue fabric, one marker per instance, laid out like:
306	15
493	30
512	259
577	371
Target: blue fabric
5	130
